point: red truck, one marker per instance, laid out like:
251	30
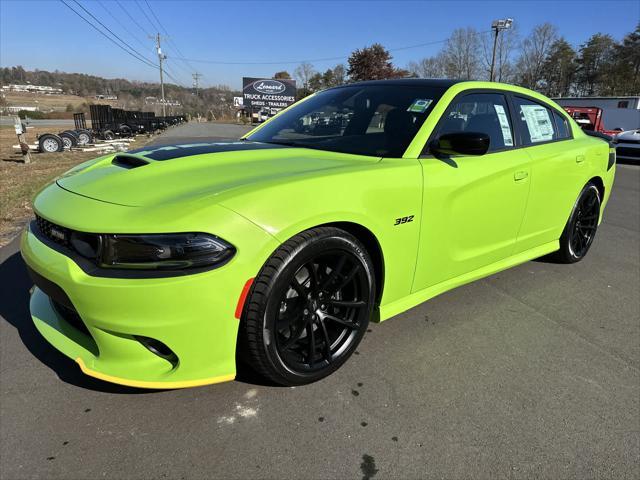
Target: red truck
590	119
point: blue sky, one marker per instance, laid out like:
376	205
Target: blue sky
48	36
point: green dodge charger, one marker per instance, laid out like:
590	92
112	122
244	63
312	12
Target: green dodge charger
164	267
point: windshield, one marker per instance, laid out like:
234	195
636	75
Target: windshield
376	120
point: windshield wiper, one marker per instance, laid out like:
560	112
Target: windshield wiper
288	144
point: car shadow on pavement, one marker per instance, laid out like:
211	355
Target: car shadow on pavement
14	308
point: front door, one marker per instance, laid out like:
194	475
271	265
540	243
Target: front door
473	206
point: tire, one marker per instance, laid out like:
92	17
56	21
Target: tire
580	230
69	140
72	132
108	135
125	130
316	291
50	143
84	137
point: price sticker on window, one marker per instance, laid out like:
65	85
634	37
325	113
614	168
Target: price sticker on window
504	125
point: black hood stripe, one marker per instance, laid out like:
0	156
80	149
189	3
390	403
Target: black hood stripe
169	152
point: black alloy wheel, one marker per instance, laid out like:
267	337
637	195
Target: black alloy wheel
578	234
309	307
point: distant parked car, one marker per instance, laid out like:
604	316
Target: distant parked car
628	146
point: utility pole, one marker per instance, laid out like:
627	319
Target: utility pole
161	58
196	76
497	25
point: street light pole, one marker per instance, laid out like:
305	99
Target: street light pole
497	25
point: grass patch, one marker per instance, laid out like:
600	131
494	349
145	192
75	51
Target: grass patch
19	182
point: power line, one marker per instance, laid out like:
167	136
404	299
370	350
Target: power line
111	32
108	37
325	59
169	40
145	15
154	16
121	24
122	7
142	29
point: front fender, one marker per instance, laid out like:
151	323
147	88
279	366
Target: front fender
372	197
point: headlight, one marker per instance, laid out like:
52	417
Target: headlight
158	252
174	251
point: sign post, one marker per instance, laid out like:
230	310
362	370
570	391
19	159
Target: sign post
24	147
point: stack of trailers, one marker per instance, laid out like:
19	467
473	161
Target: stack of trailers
106	124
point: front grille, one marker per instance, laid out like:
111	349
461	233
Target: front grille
56	233
628	152
71	316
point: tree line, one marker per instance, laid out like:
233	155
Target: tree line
543	60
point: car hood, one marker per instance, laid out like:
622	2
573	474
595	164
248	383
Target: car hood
177	173
631	136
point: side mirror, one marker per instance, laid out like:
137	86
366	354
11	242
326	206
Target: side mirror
461	143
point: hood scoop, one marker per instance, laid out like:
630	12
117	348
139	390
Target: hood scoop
128	161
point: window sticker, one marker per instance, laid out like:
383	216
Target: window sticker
504	125
420	105
538	122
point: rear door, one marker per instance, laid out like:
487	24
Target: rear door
472	205
557	170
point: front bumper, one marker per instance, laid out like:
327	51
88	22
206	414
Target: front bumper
193	315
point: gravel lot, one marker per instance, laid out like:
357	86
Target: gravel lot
533	372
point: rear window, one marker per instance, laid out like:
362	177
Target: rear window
562	126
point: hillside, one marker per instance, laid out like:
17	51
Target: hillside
80	90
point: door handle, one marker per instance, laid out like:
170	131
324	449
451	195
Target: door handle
520	176
579	158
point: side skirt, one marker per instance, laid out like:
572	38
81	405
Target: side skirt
410	301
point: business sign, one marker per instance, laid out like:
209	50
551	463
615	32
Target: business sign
266	92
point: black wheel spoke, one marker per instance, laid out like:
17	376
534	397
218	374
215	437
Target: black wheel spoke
295	336
300	290
346	279
341	321
313	276
334	273
327	342
347	303
312	343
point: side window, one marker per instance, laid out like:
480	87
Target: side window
562	126
480	112
536	122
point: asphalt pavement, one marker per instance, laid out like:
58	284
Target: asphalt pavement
39	122
530	373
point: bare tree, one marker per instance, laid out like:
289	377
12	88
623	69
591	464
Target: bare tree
461	54
430	67
303	74
507	43
339	74
533	53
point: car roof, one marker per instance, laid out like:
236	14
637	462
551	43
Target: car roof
413	82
